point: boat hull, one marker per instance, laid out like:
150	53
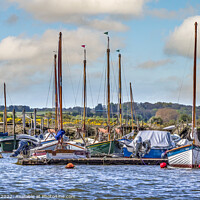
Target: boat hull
69	151
8	146
185	157
104	148
61	154
154	153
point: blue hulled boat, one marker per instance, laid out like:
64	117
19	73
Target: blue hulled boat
149	144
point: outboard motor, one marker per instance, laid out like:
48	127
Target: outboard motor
164	154
138	147
24	146
147	146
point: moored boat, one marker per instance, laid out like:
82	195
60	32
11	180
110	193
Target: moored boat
8	144
108	146
149	144
188	156
104	148
59	149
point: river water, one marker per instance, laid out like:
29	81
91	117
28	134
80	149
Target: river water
96	182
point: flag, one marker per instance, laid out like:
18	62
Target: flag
83	46
106	33
118	50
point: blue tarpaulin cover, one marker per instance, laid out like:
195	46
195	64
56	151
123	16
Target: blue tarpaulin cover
59	135
3	134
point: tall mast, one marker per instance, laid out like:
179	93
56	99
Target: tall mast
108	87
84	79
5	111
60	77
131	95
120	92
194	82
56	94
133	108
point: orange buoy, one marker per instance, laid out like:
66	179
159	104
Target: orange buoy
163	165
69	165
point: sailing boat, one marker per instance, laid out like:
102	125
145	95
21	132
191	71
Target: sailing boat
5	132
110	146
188	156
82	131
119	129
126	139
59	149
147	144
8	143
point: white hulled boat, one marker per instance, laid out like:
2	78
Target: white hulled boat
188	156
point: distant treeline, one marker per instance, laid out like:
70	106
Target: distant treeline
144	111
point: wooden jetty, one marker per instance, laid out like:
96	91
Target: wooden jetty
92	161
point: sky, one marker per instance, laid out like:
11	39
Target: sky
155	38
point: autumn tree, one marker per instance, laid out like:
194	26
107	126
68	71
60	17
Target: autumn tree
167	114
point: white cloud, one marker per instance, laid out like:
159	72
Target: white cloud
63	8
173	14
93	13
25	61
181	40
154	64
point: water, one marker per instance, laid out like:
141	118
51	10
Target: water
96	182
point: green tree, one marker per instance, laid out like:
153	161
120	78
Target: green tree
185	118
157	120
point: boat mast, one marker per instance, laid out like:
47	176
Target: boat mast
84	79
131	95
60	77
56	94
194	82
133	108
5	111
108	88
120	93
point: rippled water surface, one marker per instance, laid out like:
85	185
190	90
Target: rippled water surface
96	182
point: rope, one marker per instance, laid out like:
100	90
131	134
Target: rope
109	147
114	75
125	82
68	68
90	91
143	161
78	88
49	86
101	81
184	70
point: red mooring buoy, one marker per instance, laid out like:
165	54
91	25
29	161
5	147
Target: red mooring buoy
69	165
199	165
163	165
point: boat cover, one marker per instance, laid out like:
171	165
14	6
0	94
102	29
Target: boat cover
21	137
129	135
184	142
158	139
3	134
196	137
59	135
